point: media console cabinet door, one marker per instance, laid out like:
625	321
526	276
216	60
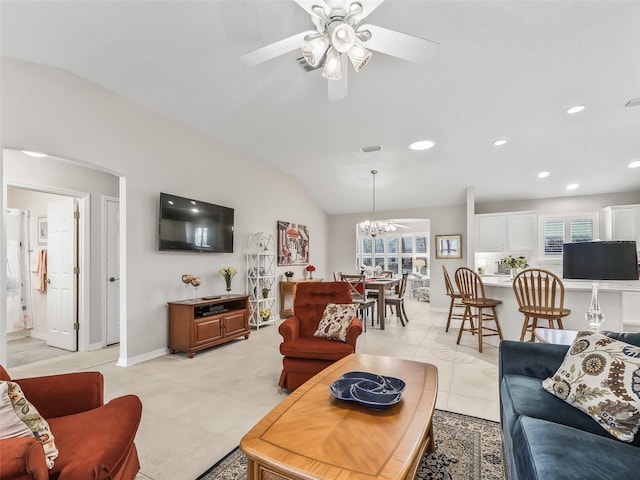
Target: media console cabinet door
190	331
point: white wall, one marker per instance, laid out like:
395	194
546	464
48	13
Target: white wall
51	111
444	221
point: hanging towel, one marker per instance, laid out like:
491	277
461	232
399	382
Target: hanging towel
42	271
34	260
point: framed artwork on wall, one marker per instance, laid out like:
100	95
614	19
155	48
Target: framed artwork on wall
43	230
293	244
449	246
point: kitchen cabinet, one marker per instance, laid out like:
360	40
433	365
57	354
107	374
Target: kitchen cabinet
506	232
622	223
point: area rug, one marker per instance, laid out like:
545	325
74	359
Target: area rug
467	448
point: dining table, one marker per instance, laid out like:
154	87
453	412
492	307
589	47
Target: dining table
381	285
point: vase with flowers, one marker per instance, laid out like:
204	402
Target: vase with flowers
514	264
228	273
310	268
265	314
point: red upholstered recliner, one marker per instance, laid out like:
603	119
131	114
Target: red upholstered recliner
94	439
304	354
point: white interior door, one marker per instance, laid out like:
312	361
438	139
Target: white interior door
61	275
112	303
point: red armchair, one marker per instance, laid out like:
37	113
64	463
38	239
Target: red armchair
94	439
304	354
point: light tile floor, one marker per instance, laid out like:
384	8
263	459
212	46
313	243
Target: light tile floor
196	410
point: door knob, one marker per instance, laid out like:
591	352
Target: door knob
48	280
113	279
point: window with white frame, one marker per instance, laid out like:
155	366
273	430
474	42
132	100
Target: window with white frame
556	230
399	253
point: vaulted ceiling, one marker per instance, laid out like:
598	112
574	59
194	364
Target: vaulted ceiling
502	70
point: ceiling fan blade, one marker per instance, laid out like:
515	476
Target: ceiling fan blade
276	49
338	88
401	45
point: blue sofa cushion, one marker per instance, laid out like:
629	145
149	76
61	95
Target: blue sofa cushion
522	395
548	450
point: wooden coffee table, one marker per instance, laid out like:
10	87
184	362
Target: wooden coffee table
312	435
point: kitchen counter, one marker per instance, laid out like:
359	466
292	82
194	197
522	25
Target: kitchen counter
577	297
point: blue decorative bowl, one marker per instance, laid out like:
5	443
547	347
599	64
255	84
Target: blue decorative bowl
392	384
373	399
341	388
365	376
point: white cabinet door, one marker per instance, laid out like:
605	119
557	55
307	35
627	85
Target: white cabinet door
491	233
521	232
625	224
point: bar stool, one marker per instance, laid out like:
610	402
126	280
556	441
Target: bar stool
472	290
540	295
456	300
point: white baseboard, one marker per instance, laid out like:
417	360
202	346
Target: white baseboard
39	336
127	362
95	346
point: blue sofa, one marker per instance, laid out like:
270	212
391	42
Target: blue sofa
545	437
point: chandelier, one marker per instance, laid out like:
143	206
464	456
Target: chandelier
375	227
336	35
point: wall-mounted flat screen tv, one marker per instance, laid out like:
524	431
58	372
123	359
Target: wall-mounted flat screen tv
609	260
194	226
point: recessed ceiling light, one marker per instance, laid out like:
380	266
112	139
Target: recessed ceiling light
576	109
634	164
34	154
543	174
500	142
421	145
572	186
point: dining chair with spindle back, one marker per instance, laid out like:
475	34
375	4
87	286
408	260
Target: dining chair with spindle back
397	300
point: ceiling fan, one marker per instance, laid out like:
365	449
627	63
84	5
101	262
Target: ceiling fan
339	37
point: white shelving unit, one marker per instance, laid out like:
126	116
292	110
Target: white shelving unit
261	274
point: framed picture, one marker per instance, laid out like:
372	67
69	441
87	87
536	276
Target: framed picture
43	230
448	246
293	244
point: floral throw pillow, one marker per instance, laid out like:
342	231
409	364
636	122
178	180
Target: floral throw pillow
34	421
12	426
335	321
601	377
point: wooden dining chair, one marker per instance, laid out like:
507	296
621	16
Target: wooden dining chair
472	290
389	291
540	295
363	304
397	300
456	307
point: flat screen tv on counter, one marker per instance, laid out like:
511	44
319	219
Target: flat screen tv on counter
194	226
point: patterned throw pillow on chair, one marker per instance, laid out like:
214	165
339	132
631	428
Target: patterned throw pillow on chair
33	420
335	321
601	377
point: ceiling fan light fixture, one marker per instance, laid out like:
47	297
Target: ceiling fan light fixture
332	68
343	37
314	49
359	56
